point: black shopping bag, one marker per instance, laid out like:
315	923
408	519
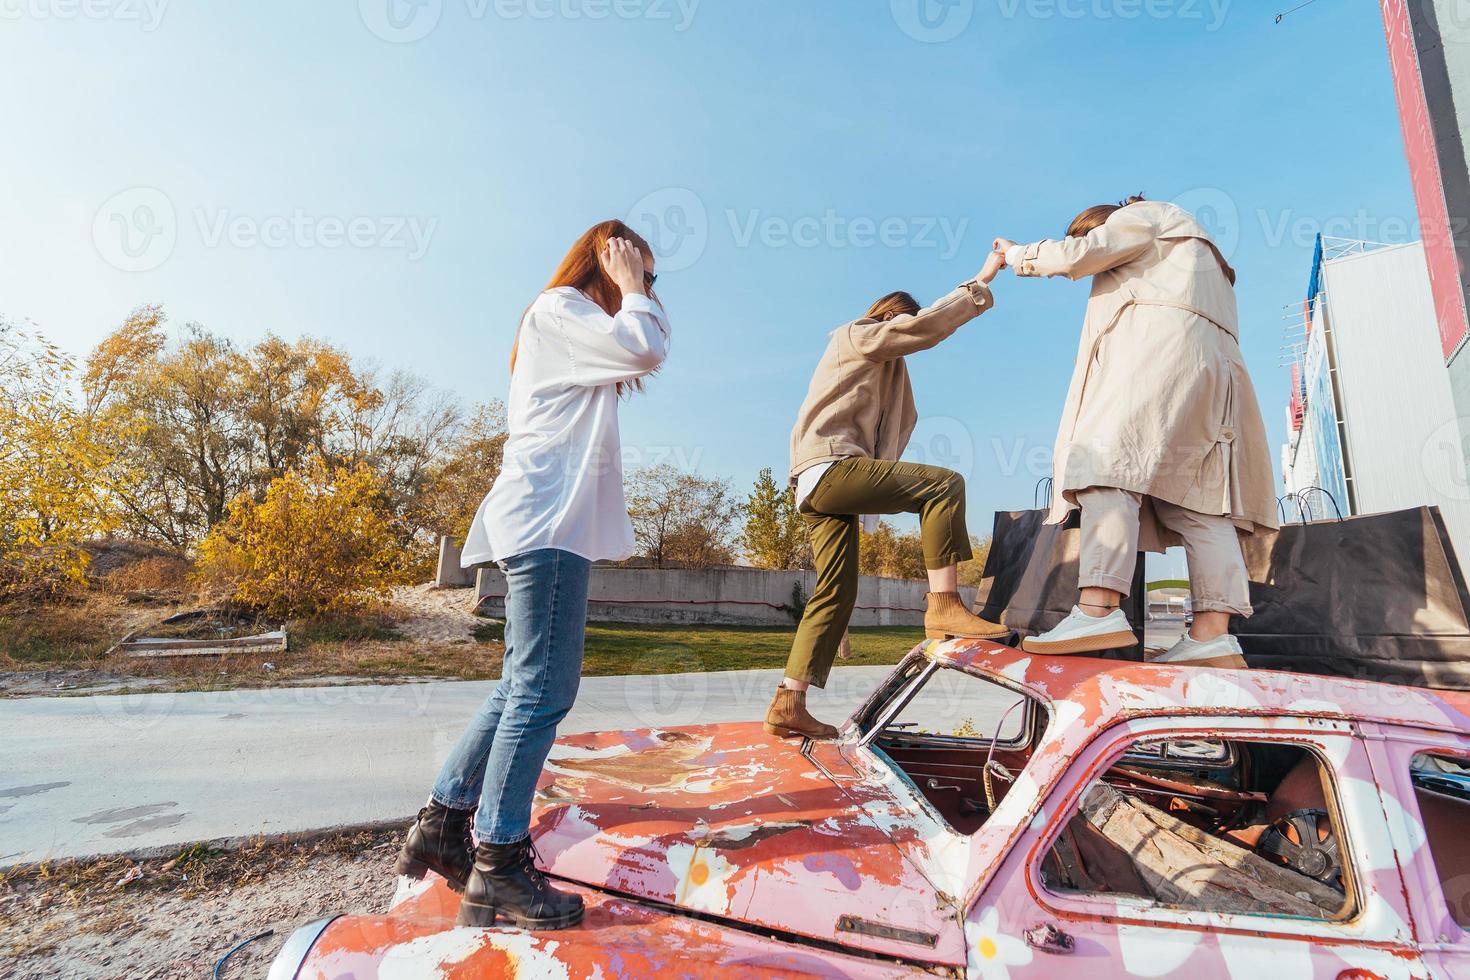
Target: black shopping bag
1030	578
1377	597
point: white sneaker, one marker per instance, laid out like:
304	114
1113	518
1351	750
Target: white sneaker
1081	633
1223	651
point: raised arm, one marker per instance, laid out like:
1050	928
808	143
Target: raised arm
607	349
1126	235
886	340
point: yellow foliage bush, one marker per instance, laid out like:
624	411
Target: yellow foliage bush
54	462
320	542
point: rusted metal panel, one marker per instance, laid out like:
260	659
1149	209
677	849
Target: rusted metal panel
720	851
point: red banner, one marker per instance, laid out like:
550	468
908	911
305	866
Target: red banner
1417	117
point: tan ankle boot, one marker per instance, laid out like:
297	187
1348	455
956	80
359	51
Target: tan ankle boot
788	717
947	618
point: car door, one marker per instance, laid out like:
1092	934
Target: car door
1034	919
1425	780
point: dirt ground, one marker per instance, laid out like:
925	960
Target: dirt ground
422	633
176	917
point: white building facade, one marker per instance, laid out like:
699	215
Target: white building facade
1372	422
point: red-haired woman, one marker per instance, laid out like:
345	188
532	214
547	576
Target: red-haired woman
556	507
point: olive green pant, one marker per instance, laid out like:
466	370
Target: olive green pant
851	488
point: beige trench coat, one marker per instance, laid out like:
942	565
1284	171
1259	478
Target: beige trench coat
861	402
1160	401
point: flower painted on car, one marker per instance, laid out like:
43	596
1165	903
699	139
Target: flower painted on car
703	877
992	953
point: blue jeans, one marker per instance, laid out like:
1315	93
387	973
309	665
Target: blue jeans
498	759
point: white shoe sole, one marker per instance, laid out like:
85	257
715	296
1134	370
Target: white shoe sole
1080	644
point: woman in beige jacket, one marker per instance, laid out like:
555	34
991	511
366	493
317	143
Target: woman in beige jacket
1161	441
850	432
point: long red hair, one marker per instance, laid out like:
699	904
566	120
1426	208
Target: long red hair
582	270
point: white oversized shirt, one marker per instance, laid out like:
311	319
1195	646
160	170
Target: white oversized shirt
561	482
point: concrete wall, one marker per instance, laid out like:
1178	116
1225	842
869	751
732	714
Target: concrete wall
723	596
450	575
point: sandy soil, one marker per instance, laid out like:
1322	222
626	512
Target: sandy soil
178	920
433	615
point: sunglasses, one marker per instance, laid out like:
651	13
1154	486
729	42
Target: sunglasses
649	279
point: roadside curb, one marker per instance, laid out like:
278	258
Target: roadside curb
227	844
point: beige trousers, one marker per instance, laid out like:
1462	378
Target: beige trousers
1217	575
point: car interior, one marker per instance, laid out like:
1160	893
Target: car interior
1249	825
1442	790
1230	826
959	740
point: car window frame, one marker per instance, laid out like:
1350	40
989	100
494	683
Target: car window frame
888	700
1147	913
1416	746
881	712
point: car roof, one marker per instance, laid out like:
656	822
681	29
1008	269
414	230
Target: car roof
1108	690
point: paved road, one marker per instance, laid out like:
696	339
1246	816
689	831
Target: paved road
93	775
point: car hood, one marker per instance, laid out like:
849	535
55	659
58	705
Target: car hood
733	824
619	939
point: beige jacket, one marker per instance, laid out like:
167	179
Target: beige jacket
860	402
1160	402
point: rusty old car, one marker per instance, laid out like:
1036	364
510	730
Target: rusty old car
988	813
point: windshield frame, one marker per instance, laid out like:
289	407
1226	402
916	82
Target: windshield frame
897	690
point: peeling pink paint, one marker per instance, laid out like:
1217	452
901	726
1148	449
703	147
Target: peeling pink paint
719	850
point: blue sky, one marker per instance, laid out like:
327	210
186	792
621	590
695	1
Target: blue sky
402	180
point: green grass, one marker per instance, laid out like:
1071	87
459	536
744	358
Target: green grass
625	648
75	635
341	629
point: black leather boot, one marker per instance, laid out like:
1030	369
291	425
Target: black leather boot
439	841
505	881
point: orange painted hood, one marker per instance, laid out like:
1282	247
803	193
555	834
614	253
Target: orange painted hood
730	823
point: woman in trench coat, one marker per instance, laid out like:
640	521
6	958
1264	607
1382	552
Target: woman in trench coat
1161	441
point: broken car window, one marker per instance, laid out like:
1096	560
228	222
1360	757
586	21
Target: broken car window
1215	826
960	740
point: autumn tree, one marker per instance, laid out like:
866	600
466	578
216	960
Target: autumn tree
683	518
972	571
209	420
54	459
188	446
459	480
774	535
892	553
319	542
402	429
